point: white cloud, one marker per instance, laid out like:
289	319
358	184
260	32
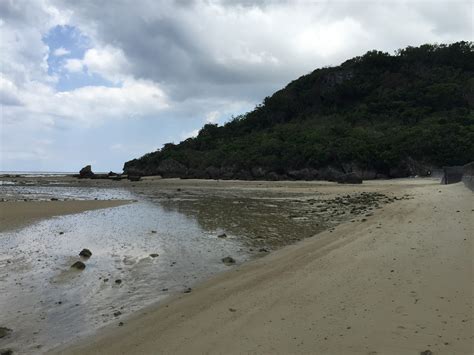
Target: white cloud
61	51
74	65
212	117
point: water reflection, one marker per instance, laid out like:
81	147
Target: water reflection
45	302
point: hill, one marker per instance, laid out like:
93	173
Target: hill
377	115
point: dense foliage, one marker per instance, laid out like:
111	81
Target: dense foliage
373	112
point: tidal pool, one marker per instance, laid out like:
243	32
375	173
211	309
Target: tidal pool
45	302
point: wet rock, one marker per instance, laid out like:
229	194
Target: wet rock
78	265
263	250
426	352
118	281
222	235
188	290
86	253
228	260
86	172
117	313
54	199
6	352
61	233
4	331
154	255
153	232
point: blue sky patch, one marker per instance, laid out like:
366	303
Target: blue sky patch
68	42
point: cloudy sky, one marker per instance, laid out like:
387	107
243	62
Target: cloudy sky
101	82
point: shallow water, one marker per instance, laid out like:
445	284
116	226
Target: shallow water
46	302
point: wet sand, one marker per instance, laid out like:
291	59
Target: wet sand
15	214
398	280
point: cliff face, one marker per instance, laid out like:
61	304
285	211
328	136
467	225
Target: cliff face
378	115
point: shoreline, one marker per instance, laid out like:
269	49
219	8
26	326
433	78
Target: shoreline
409	292
17	214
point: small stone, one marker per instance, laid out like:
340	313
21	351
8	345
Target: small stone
164	289
61	233
118	281
426	352
86	253
154	255
79	265
117	313
263	250
232	310
120	324
223	235
54	199
228	260
6	352
188	290
153	232
4	331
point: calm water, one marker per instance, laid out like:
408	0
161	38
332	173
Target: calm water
46	302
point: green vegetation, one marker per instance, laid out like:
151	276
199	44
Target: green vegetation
378	114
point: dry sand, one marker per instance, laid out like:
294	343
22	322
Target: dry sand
14	214
400	282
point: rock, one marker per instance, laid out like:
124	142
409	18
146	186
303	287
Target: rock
61	233
120	324
154	255
188	290
86	172
351	178
263	250
153	232
117	313
6	352
54	199
134	177
223	235
86	253
4	331
228	260
426	352
118	281
79	265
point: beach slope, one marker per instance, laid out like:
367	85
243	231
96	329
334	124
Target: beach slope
400	282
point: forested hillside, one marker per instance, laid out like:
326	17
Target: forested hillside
378	115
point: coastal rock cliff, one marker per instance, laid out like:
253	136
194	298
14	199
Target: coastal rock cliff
374	116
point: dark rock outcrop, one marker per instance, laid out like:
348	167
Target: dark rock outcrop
86	173
351	178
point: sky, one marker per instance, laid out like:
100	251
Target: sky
102	82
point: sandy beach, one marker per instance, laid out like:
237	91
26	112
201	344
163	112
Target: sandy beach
397	281
15	214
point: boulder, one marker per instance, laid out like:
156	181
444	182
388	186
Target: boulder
79	265
228	260
86	253
86	172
